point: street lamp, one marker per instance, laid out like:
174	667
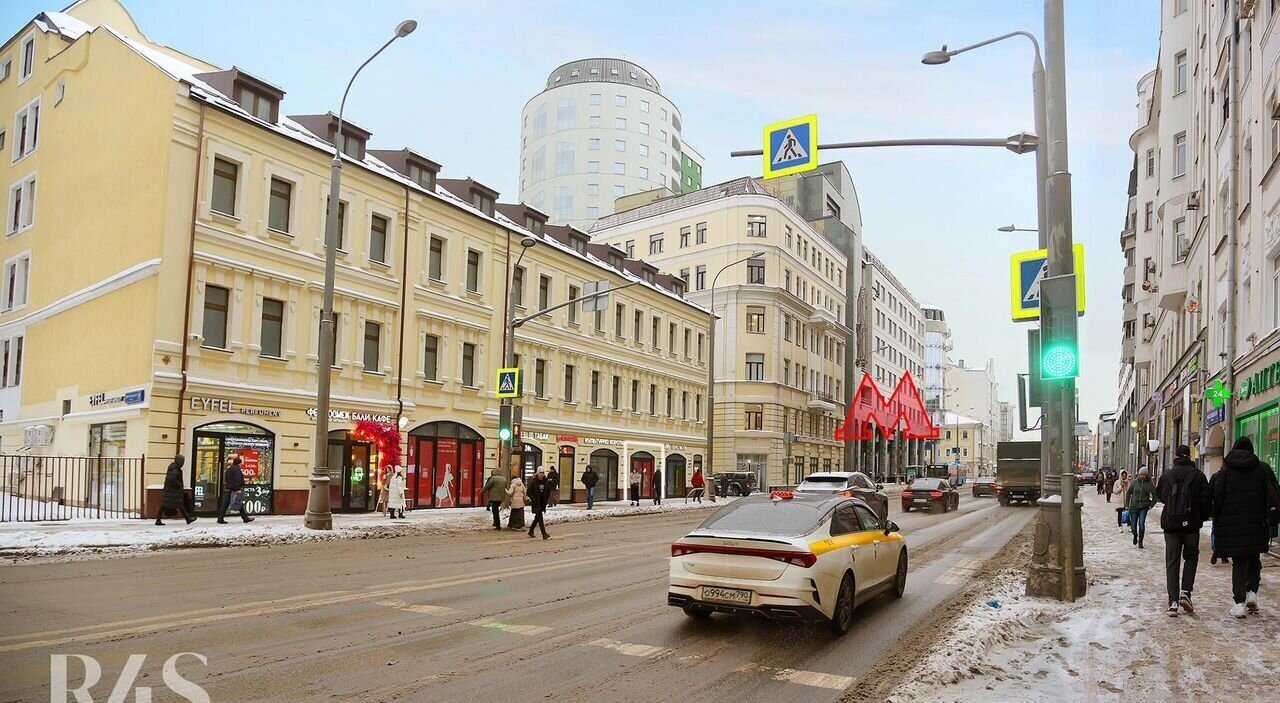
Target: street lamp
319	515
711	372
509	342
1014	228
937	58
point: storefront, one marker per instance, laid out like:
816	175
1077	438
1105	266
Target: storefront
674	478
353	473
446	464
216	445
605	462
567	453
1258	407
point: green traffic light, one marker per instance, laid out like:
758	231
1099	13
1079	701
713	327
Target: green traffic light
1059	361
504	434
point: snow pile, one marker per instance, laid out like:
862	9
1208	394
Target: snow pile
1116	644
15	507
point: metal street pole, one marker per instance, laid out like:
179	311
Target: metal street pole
505	448
711	377
319	515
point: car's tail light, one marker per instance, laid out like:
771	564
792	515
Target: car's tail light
805	559
999	489
906	494
935	494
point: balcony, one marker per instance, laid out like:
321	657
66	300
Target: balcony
1127	349
823	318
1130	273
822	401
1130	312
1172	285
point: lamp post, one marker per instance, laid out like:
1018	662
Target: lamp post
711	374
1014	228
509	342
319	515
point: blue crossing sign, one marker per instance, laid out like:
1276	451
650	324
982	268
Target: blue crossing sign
791	146
1028	269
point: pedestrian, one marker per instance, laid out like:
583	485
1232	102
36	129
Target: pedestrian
516	499
698	482
1111	484
1184	491
495	492
1246	503
636	477
589	480
1213	485
395	493
1142	495
657	488
539	496
1123	493
233	493
553	480
175	495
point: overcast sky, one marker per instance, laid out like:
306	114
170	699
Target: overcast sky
454	90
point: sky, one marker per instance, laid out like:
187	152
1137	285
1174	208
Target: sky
454	89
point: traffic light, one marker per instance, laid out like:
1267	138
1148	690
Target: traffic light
1059	348
504	423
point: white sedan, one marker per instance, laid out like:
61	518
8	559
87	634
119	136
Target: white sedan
789	557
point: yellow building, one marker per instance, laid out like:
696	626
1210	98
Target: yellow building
968	441
171	293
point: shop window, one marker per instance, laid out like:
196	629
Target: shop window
216	445
215	317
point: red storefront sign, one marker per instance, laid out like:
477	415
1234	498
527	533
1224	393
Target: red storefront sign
249	459
566	438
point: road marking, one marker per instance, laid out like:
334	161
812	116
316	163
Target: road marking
419	608
834	682
293	603
526	539
962	572
631	650
514	629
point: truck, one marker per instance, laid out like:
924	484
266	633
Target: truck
1017	472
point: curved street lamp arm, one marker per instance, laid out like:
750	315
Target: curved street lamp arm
342	106
1002	37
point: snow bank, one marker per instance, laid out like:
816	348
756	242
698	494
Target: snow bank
16	507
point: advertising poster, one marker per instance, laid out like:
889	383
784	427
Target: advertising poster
446	472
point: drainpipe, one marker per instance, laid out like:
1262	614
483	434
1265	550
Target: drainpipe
1233	186
191	273
404	288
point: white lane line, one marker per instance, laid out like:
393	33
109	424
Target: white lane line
631	650
419	608
513	629
834	682
960	572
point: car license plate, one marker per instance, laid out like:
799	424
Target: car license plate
922	500
726	595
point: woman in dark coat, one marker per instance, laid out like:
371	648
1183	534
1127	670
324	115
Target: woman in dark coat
175	496
1246	502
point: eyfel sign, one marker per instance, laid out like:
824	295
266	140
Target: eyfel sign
904	409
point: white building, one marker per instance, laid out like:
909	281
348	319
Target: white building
937	344
973	392
1008	422
601	129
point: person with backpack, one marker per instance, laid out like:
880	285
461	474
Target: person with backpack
1246	503
1184	491
1140	498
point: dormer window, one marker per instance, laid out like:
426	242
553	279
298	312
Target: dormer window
422	176
533	224
351	145
255	96
482	202
257	103
648	276
579	245
615	260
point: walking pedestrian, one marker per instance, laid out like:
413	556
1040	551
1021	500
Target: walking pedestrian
657	487
1142	495
1124	497
495	492
1246	503
553	480
1213	486
589	480
395	493
636	478
516	498
233	493
175	495
539	495
698	482
1110	484
1184	491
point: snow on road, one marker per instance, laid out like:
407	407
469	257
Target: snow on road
1116	644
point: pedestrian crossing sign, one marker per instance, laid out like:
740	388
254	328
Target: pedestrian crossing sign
791	147
1028	269
508	383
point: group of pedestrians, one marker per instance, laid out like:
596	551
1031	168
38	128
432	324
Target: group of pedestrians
515	496
1242	500
175	500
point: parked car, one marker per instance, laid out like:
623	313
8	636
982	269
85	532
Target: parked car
930	494
850	483
1086	478
984	486
788	556
735	483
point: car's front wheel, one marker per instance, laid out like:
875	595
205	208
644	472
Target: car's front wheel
842	616
900	579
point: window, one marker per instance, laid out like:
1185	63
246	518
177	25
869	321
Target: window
28	62
1151	162
593	167
619	312
11	369
1275	291
700	338
257	104
671	338
619	123
755	272
1180	239
684	237
281	201
702	233
435	260
754	416
473	271
593	144
1180	154
540	378
573	309
372	340
422	176
644	172
215	317
620	100
468	364
6	68
669	414
483	203
595	389
351	144
655	244
595	98
700	278
653	333
1149	215
16	271
755	319
644	127
619	168
568	383
431	358
756	225
544	292
342	222
653	399
378	239
272	327
22	205
26	130
644	149
225	175
1179	6
593	121
1180	72
566	113
593	189
619	191
565	158
755	367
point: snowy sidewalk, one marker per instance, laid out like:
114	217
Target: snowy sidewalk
1116	644
82	537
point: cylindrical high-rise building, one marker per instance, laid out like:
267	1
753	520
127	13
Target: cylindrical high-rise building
599	130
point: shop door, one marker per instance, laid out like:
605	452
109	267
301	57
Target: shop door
605	463
674	485
566	474
643	463
206	475
359	496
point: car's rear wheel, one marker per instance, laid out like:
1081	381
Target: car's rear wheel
696	612
906	508
842	616
900	579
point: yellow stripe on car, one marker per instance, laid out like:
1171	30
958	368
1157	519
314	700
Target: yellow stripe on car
849	540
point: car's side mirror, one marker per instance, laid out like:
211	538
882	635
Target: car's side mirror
891	526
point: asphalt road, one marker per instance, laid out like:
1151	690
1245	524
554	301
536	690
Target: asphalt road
475	618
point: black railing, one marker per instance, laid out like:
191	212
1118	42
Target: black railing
48	488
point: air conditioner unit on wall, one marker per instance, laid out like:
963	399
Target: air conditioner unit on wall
1193	201
1246	8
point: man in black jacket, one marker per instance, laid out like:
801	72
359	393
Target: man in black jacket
1246	502
232	483
1185	493
589	480
539	493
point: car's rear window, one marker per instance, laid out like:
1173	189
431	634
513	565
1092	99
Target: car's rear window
841	480
785	518
926	484
984	480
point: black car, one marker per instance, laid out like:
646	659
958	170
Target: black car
735	483
930	494
1086	478
983	486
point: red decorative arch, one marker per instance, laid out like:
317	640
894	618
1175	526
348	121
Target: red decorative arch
904	408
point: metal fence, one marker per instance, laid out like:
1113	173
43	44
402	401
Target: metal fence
45	488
